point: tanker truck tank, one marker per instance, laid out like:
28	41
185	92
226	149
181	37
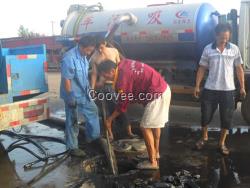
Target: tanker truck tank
165	32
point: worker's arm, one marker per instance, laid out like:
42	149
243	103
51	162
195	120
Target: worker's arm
114	115
67	85
201	72
241	78
93	75
111	118
68	73
118	59
240	73
94	82
200	75
123	100
109	121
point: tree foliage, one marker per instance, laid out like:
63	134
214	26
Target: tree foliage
25	33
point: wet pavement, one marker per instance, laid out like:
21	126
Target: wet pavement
13	174
179	153
176	150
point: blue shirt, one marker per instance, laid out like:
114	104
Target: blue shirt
75	67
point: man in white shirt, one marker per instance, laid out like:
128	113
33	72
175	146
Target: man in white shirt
220	59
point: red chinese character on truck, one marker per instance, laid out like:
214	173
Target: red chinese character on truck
154	17
87	21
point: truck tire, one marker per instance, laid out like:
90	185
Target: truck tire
245	109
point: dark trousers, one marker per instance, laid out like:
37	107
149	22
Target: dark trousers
210	100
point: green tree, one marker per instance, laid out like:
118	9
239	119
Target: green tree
25	33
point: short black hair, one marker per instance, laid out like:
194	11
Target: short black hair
106	66
87	41
100	40
221	28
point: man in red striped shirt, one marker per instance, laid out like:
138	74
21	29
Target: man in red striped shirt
136	82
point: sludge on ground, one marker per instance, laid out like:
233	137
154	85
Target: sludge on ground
177	153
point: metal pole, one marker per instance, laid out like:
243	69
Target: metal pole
107	145
52	27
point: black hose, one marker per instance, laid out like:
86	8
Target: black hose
44	171
29	139
29	151
26	138
23	139
12	134
59	140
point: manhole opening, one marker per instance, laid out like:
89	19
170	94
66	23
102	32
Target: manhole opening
99	165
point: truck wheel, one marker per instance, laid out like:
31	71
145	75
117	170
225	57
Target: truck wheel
245	109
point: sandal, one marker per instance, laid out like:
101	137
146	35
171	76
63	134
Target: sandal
145	156
224	150
200	144
146	165
122	147
133	136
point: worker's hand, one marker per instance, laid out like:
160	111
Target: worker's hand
243	93
197	92
71	101
108	123
99	84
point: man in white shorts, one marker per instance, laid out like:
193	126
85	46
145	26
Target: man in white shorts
136	82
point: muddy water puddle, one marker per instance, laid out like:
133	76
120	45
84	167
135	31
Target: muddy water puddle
176	150
178	154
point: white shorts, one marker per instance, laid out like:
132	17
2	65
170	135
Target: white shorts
156	112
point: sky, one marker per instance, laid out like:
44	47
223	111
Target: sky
38	15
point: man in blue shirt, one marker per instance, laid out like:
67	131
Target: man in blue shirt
75	93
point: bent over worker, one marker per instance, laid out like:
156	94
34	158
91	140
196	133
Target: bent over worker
75	93
137	82
101	54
